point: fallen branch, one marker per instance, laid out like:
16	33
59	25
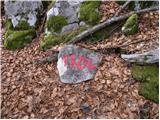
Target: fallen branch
108	22
149	57
138	41
49	59
124	6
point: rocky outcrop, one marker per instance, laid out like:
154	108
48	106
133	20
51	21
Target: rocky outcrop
22	18
23	10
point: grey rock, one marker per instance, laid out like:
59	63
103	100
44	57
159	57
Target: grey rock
82	23
85	107
68	9
76	65
70	27
22	10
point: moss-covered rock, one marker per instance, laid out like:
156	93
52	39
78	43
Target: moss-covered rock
8	24
18	39
51	40
149	81
55	23
89	13
23	25
131	25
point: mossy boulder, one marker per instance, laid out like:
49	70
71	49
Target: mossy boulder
148	76
56	23
8	24
23	25
89	12
18	39
131	25
51	39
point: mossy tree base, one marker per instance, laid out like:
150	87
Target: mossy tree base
148	76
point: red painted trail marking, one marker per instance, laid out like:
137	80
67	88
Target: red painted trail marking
82	59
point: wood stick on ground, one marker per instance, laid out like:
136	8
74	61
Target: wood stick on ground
107	22
148	57
135	42
121	9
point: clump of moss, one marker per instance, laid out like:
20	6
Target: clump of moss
55	23
51	40
89	13
149	81
131	25
22	25
18	39
8	24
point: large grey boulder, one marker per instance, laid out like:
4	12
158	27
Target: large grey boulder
23	10
69	9
76	65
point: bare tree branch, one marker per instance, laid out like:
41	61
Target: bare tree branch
124	6
106	23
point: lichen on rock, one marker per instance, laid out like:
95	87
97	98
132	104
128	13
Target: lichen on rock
148	76
89	12
131	25
18	39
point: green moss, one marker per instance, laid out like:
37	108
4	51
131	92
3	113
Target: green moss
51	40
55	23
88	12
23	25
131	25
148	76
8	24
18	39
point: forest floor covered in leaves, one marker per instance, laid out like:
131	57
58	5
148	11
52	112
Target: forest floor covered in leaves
35	91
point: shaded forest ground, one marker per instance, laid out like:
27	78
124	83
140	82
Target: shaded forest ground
35	91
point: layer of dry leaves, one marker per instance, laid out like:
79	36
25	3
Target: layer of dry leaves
35	91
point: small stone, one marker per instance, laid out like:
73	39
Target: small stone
70	27
85	107
82	23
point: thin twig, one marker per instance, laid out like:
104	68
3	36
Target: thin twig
121	9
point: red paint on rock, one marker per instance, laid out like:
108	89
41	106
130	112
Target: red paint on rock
82	59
